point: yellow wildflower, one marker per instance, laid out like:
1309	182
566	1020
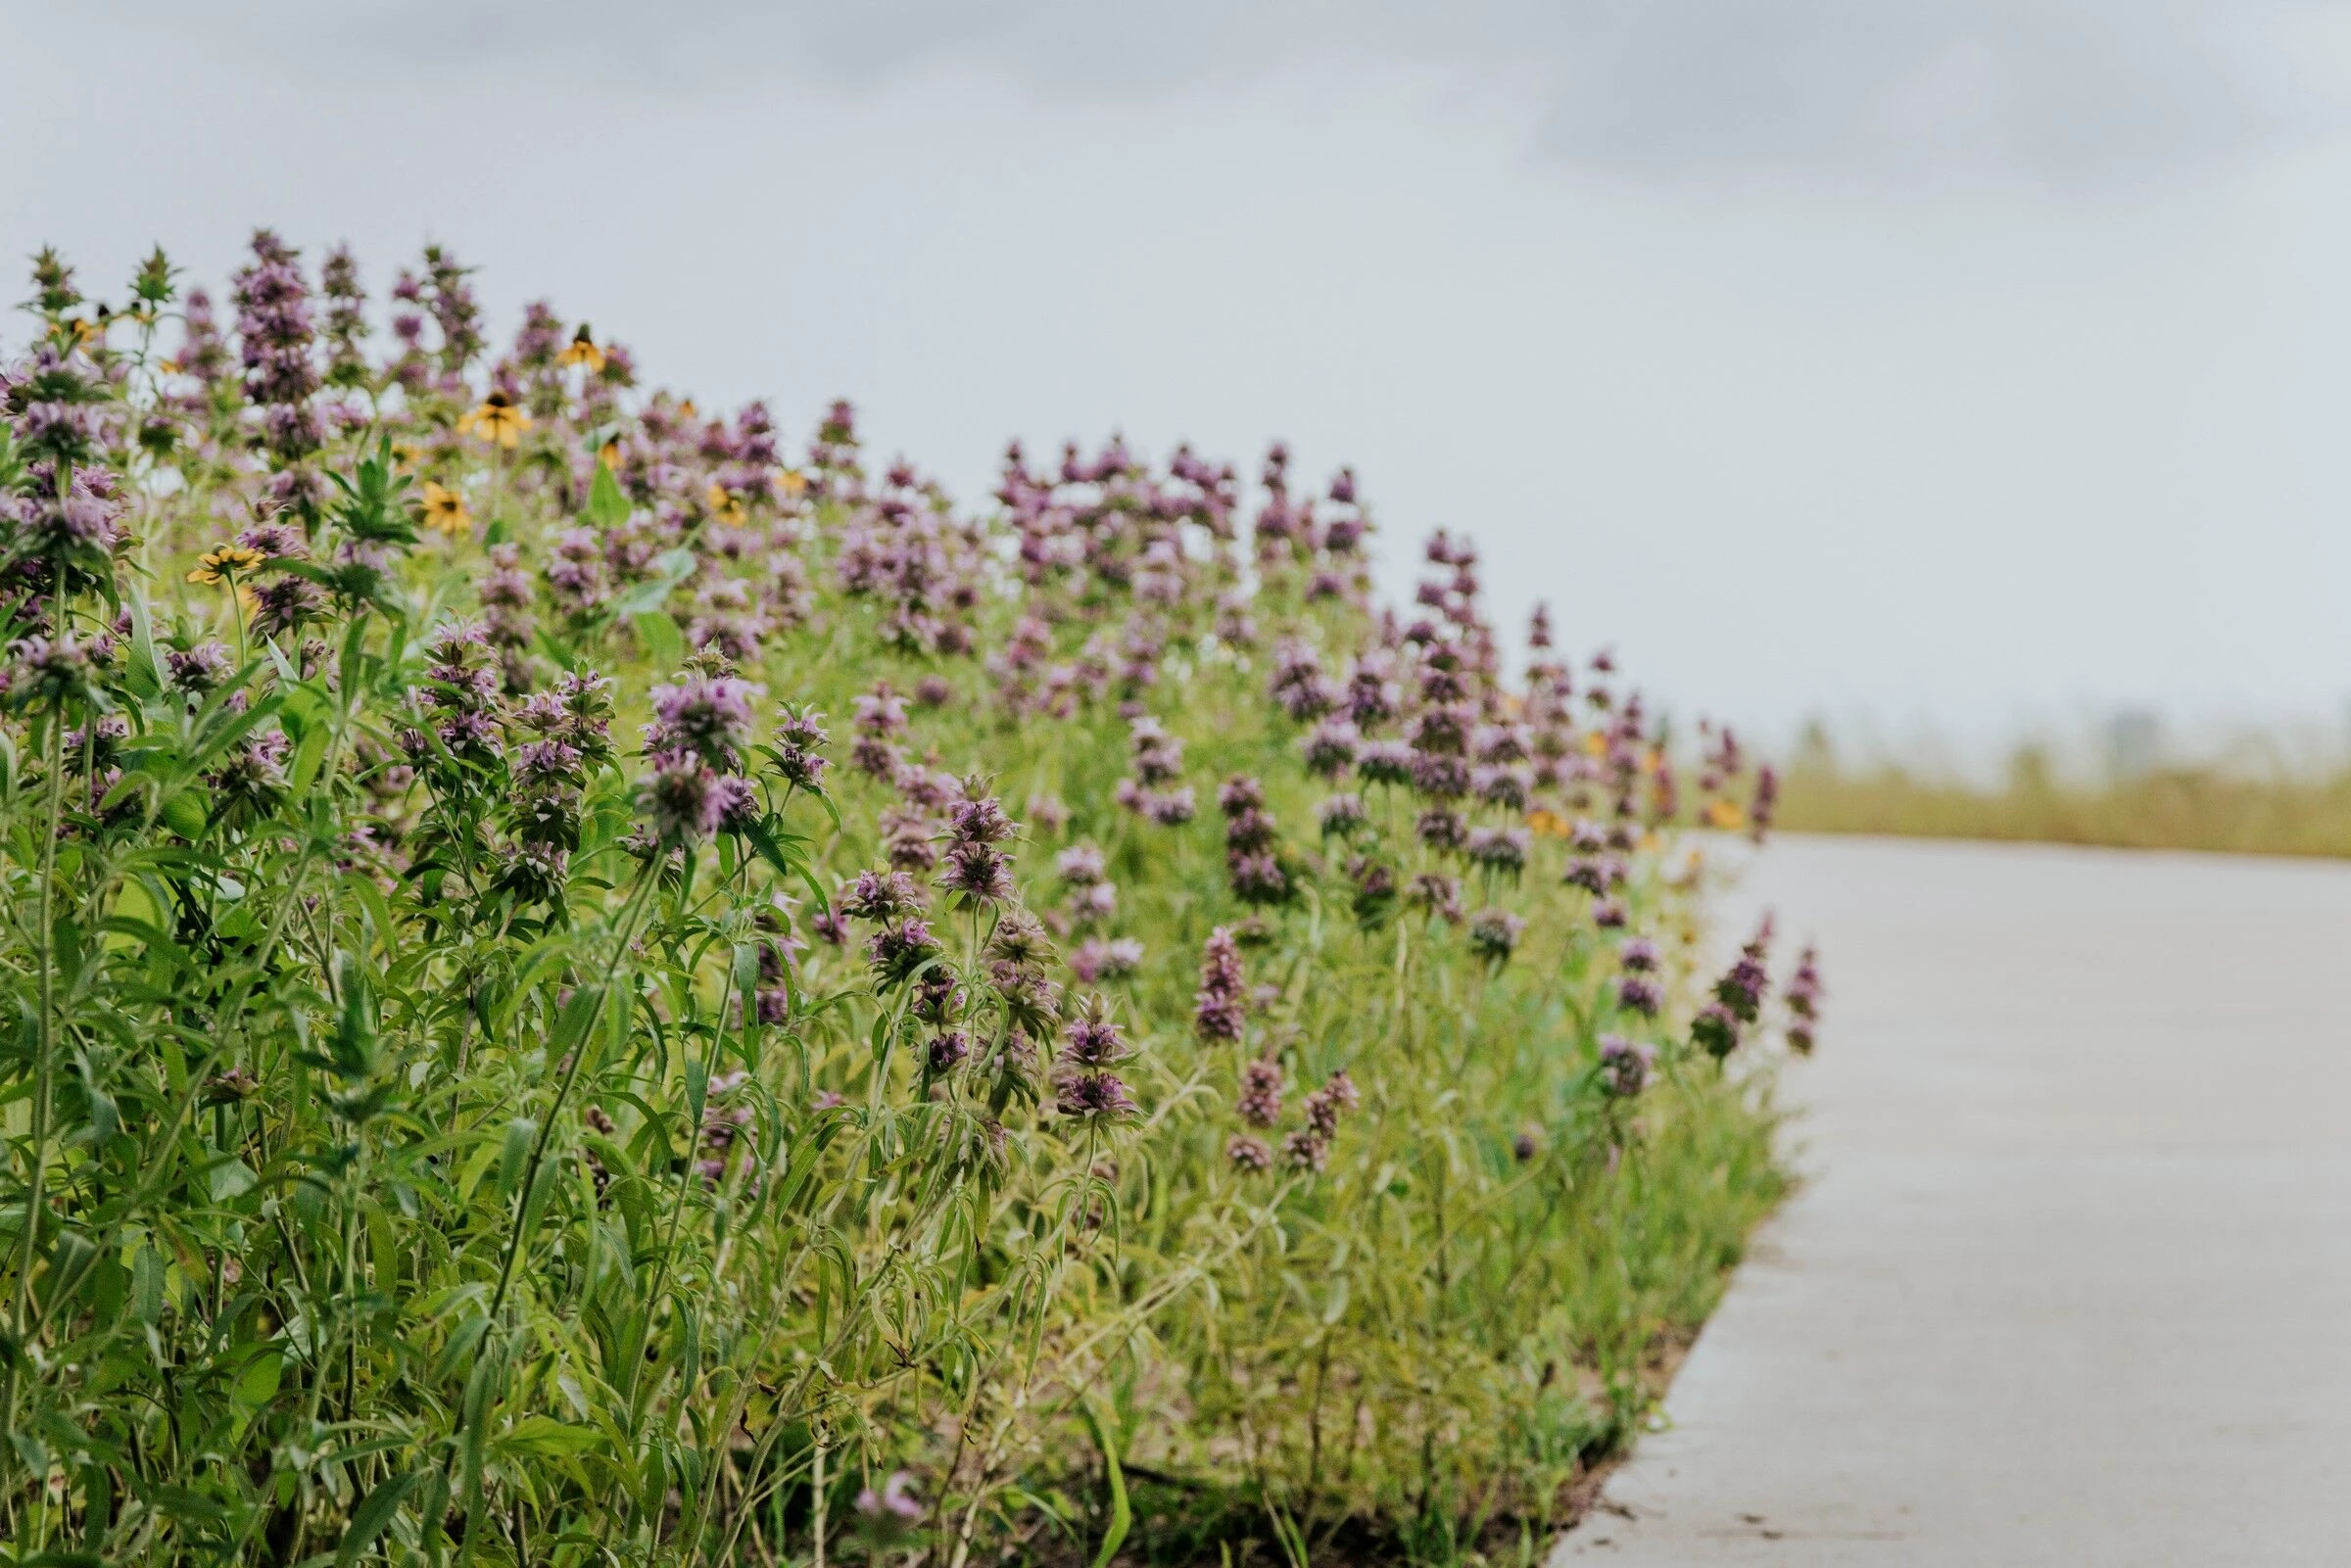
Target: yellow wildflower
1546	823
582	351
1724	814
499	420
688	409
223	561
1596	744
444	509
724	507
609	456
791	484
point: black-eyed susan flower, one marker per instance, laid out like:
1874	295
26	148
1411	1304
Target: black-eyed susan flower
222	562
725	508
499	420
582	350
444	510
791	484
610	454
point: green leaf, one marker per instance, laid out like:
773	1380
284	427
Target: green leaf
664	643
307	758
186	813
607	504
789	865
178	1502
257	1384
231	1178
147	1286
369	1519
144	672
1121	1517
517	1151
670	568
576	1019
355	1030
545	1435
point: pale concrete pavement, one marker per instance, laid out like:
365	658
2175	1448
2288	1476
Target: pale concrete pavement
2070	1282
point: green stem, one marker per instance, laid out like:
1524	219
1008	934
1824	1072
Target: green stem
44	1066
520	1239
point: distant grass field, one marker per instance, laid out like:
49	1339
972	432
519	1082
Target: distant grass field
2210	807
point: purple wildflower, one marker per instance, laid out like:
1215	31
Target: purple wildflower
880	895
1624	1065
901	947
1096	1096
1804	993
201	668
1342	815
1500	850
1218	1009
707	715
1246	1153
1170	808
283	604
1494	934
1330	747
1326	1105
682	797
977	873
799	753
1637	993
1260	1100
947	1051
978	819
1440	896
1716	1028
895	1503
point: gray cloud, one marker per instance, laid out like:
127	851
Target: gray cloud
2063	90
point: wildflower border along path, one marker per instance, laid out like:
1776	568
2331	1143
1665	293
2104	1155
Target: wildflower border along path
588	991
2067	1283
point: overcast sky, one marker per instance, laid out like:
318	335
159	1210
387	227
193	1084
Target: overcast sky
1971	363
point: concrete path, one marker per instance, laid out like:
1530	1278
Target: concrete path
2069	1283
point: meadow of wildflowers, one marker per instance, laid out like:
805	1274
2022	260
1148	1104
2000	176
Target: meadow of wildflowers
589	985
